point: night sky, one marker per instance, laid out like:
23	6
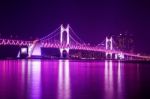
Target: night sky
91	20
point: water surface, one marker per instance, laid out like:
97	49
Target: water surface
66	79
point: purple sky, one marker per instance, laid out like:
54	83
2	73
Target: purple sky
91	20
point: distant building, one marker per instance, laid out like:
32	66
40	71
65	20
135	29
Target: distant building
124	42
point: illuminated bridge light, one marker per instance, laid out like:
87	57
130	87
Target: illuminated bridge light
70	43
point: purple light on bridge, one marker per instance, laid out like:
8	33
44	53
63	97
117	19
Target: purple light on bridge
37	50
24	50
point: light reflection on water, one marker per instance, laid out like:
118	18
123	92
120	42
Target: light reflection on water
65	79
108	80
119	79
35	79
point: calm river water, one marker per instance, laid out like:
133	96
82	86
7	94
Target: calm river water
67	79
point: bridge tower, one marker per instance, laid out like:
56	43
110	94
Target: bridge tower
64	44
109	46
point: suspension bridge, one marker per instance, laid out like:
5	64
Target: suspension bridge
65	39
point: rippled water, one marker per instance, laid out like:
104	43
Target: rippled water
65	79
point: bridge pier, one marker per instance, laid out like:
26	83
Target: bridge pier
61	53
109	56
64	53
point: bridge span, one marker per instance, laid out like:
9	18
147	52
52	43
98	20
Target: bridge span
65	39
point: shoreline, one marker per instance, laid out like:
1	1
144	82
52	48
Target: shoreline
73	59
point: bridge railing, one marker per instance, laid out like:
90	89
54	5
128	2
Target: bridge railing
15	42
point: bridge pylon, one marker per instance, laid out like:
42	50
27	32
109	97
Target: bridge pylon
64	44
109	46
